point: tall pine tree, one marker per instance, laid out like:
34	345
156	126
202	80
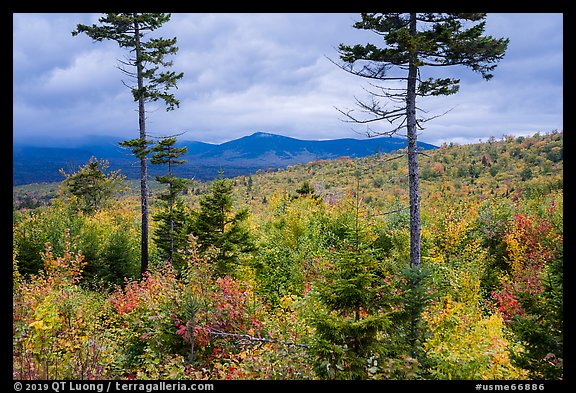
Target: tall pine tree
413	41
152	84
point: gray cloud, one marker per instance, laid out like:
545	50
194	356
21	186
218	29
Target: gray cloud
269	72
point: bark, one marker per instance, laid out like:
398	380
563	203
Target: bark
143	159
413	157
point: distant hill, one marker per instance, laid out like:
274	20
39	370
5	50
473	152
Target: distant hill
36	164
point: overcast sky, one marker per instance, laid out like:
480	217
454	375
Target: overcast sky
245	73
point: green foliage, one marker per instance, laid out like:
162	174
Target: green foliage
442	41
350	314
119	256
411	42
34	228
107	239
347	322
172	232
216	225
291	247
327	293
90	189
139	146
413	293
128	30
369	324
306	190
494	218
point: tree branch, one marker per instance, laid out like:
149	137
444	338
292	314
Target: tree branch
251	339
391	211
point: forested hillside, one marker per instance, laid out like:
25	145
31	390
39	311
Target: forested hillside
301	273
35	163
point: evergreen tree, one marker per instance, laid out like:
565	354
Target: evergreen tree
541	327
306	190
215	224
172	232
412	297
414	41
347	327
367	317
90	188
128	30
351	316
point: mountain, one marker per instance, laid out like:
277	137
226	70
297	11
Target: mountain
35	164
276	150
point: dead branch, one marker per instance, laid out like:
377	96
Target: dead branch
252	339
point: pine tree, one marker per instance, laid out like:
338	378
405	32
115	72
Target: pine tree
128	30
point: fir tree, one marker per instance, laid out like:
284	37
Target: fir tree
351	316
172	231
215	224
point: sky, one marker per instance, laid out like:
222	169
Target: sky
270	72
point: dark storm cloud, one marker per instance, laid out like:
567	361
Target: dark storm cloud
268	72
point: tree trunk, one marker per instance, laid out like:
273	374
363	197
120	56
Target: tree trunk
413	156
143	159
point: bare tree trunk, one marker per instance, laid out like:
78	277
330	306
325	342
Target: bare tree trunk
143	159
190	327
170	187
413	157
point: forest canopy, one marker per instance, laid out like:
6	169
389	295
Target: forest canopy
307	277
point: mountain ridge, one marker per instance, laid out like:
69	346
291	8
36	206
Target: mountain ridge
260	150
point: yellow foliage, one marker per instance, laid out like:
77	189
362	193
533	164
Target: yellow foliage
16	276
467	345
457	222
515	252
287	302
66	268
39	325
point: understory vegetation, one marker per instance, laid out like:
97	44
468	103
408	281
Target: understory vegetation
302	273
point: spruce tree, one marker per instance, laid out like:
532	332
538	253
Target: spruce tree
216	224
413	41
352	313
172	231
348	323
128	30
